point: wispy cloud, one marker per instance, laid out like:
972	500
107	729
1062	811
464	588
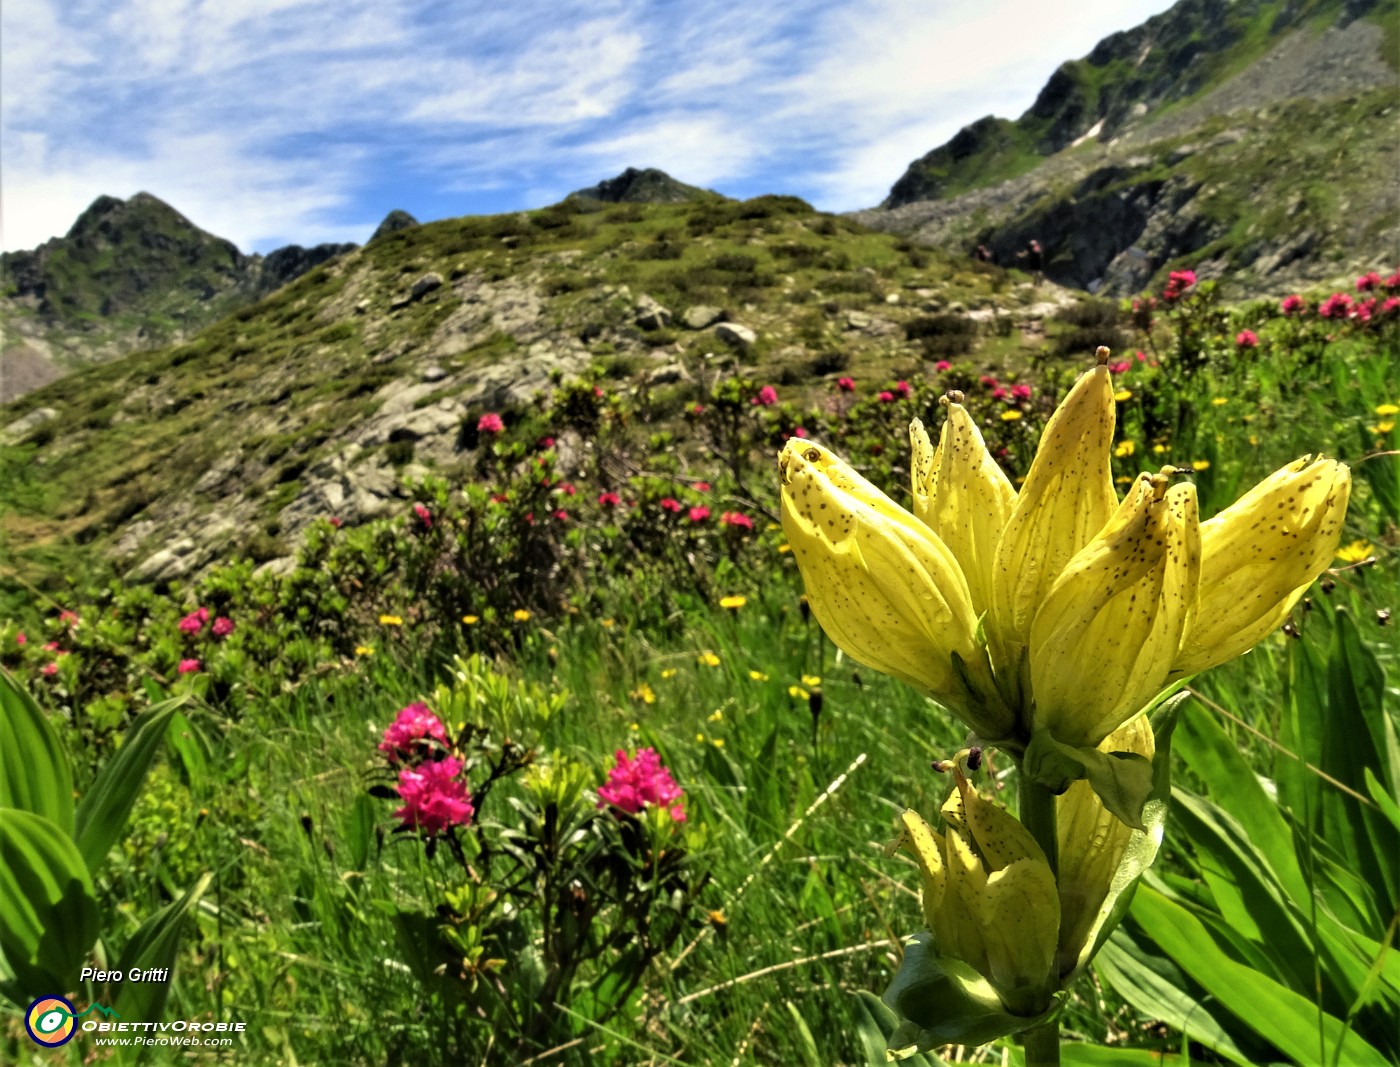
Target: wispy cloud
270	121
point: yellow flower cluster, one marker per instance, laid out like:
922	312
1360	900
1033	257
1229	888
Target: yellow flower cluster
1058	606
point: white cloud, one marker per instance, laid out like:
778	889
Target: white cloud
269	120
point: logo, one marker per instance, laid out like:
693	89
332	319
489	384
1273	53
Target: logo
51	1021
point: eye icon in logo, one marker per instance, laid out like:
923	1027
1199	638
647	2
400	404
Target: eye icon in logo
49	1021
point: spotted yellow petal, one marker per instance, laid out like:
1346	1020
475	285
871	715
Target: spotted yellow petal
1105	639
1066	499
1260	554
883	586
962	495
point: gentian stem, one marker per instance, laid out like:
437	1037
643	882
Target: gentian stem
1042	1043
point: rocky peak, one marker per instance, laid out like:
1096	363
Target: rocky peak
393	222
646	186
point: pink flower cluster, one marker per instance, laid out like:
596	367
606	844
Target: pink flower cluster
1246	339
424	516
736	519
846	385
188	666
194	622
699	513
1293	305
434	796
490	423
767	397
641	780
609	500
1336	306
411	734
1178	281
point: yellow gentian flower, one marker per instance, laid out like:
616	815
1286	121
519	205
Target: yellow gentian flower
1055	606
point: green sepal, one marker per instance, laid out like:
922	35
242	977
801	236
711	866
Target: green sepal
1123	780
941	1000
1142	847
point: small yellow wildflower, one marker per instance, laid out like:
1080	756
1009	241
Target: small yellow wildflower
758	676
1388	409
644	693
1253	439
1383	427
733	603
797	692
1124	449
811	680
363	650
707	659
772	526
471	620
607	624
669	672
635	728
521	615
718	742
1220	401
1200	464
716	716
1355	552
1010	415
784	548
1122	395
390	620
1159	450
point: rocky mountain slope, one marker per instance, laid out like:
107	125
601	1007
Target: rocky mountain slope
129	274
646	186
1259	139
316	400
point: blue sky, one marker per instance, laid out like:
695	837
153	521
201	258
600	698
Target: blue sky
277	121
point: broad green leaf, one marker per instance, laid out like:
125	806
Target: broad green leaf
1290	1022
155	944
34	771
1123	780
48	913
1079	1054
1155	988
1249	898
874	1026
189	747
1232	783
104	808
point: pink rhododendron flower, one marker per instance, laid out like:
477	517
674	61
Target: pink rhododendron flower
1247	339
561	515
187	666
1121	367
701	487
1391	305
434	798
546	442
942	364
1021	392
798	431
736	518
52	646
20	639
699	514
1177	284
846	385
1364	309
424	516
671	504
886	397
902	388
697	409
641	780
336	521
609	500
1335	306
598	390
988	380
490	423
1367	282
999	393
767	397
1393	282
567	488
500	498
48	670
412	732
1292	305
223	626
68	618
191	623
